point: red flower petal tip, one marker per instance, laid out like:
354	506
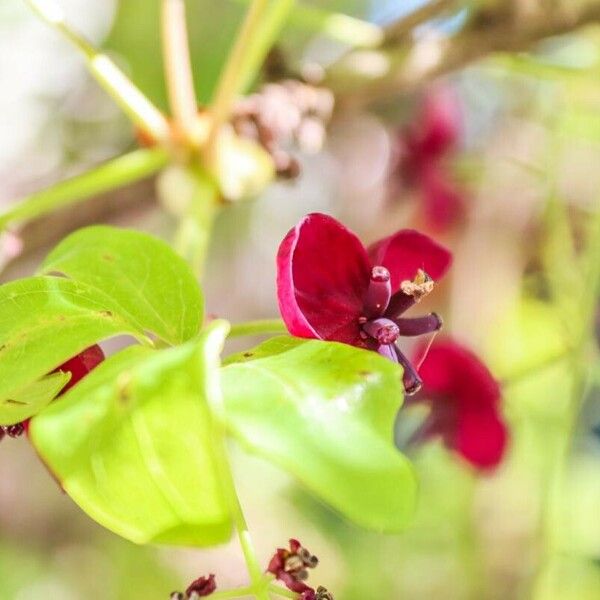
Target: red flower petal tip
465	402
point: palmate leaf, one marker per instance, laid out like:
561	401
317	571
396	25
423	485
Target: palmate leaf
43	322
325	412
133	445
153	286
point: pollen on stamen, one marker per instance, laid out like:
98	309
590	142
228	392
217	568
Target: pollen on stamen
419	287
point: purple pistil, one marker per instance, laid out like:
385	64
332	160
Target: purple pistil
379	292
383	330
412	381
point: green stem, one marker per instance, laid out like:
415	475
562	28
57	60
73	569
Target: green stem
259	583
115	173
277	589
178	66
236	593
131	100
271	25
337	26
552	505
260	327
192	238
234	73
470	544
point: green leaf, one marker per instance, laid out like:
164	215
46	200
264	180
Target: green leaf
29	400
152	285
325	412
46	320
133	445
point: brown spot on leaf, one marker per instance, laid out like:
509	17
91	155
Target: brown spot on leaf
106	313
248	354
108	257
124	391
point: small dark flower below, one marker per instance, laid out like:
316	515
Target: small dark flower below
290	566
319	594
203	586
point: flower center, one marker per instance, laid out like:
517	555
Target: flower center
385	331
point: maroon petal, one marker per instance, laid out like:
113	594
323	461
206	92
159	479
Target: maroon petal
292	583
465	403
407	251
441	122
481	438
443	203
322	277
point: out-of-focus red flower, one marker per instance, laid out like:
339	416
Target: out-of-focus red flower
424	149
465	404
203	586
331	287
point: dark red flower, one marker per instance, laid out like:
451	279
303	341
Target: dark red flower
465	404
79	366
424	148
319	594
290	566
331	288
203	586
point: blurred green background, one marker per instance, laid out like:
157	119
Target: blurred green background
530	159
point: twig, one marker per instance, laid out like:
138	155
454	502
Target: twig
123	91
399	29
491	30
108	176
178	68
233	74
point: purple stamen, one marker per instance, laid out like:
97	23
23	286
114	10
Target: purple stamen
379	292
383	330
388	351
411	292
399	304
412	381
410	327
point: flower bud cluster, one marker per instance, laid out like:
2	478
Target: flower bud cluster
285	115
